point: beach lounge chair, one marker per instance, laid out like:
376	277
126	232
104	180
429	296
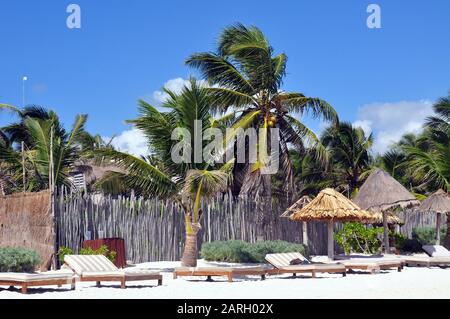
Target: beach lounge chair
229	272
372	264
25	280
438	256
98	268
282	265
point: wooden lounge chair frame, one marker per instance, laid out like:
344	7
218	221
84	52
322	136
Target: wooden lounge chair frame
123	279
427	261
309	267
210	272
122	276
24	285
294	270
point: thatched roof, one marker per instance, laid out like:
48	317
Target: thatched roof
377	218
297	206
330	205
381	192
439	202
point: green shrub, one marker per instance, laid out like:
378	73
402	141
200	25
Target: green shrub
230	251
399	239
238	251
357	238
62	252
18	260
103	250
427	235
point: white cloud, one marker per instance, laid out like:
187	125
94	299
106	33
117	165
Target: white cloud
131	141
174	85
390	121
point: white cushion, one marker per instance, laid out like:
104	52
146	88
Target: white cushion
89	263
436	251
284	259
25	277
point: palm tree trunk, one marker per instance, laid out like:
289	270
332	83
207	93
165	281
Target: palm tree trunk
447	236
264	210
190	253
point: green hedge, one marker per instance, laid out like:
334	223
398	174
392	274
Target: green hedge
238	251
18	260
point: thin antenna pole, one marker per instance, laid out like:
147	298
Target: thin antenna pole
23	168
24	79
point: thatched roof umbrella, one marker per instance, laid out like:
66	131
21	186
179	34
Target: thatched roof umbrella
330	206
303	201
377	219
438	203
381	193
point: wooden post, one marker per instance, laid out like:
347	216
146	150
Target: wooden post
438	229
386	233
330	240
305	233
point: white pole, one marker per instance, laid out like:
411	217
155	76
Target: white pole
330	240
24	79
438	229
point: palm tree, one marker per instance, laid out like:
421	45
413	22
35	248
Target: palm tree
431	164
246	77
186	182
351	160
35	128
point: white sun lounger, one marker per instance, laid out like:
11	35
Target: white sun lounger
26	280
98	268
282	265
439	256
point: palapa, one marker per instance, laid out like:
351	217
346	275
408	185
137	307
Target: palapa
381	193
438	203
331	206
392	219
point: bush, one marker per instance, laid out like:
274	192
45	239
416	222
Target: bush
427	235
238	251
18	260
357	238
103	250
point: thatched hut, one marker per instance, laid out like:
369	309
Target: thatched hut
392	219
330	206
302	202
438	203
381	193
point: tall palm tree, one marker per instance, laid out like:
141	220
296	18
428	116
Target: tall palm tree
246	77
349	148
186	182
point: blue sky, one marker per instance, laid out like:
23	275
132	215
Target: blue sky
384	80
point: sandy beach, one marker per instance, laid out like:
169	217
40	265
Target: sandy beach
410	283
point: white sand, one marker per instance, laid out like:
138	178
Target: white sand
410	283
